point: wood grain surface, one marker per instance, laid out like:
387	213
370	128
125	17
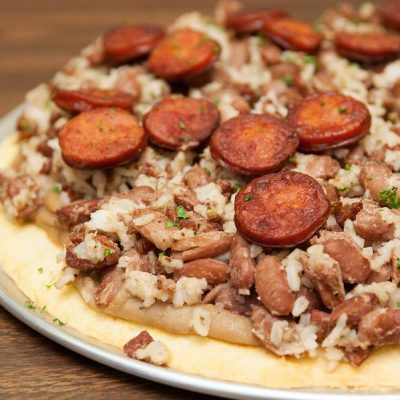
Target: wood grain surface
36	38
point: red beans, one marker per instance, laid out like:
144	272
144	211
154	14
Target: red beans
370	47
391	14
251	21
101	138
253	144
281	209
76	101
328	120
292	34
184	53
181	122
126	43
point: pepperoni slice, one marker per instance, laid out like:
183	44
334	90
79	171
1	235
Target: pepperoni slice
126	43
181	122
328	120
251	21
391	14
253	144
101	138
184	53
76	101
369	47
281	209
292	34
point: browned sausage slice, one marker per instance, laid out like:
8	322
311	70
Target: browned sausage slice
391	14
369	47
328	120
129	42
181	122
292	34
281	209
101	138
251	21
184	53
76	101
253	144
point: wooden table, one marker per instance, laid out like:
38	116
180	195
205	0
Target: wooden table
36	38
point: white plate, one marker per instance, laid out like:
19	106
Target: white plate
13	300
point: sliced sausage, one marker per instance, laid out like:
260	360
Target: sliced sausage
355	308
355	268
101	138
253	144
272	286
250	21
184	53
129	42
367	47
391	14
213	271
328	120
281	209
76	101
181	122
292	34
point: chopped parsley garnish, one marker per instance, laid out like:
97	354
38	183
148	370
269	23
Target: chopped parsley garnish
43	309
50	285
108	252
216	101
261	38
47	103
30	304
40	270
172	224
388	197
113	110
208	172
162	254
316	25
398	304
287	79
181	212
248	197
185	138
308	59
398	263
25	126
292	158
237	187
201	108
182	125
56	188
58	321
216	49
347	167
342	110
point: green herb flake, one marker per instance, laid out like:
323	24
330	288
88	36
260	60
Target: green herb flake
181	212
108	252
216	49
56	188
398	263
113	110
25	126
398	304
388	197
172	224
292	158
162	254
216	101
40	270
50	285
208	171
202	109
185	138
347	167
237	187
182	125
317	25
47	103
30	304
248	197
58	321
287	79
43	309
308	59
261	38
342	110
